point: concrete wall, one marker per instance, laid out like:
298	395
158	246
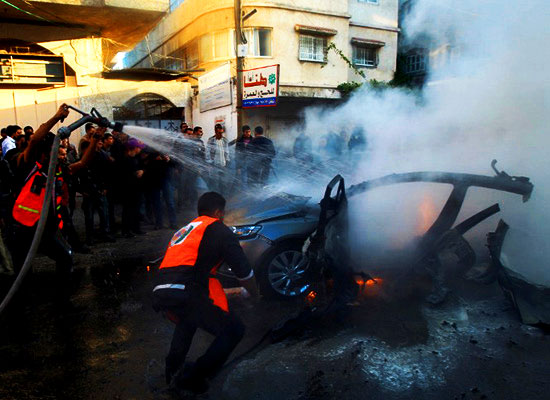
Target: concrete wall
194	18
383	14
285	47
299	80
84	56
387	54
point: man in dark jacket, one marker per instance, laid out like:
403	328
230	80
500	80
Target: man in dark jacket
188	291
241	155
262	153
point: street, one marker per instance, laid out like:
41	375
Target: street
112	344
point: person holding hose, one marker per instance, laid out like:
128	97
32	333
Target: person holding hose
189	294
30	176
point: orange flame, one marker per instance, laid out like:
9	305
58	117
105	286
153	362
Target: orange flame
148	269
311	296
369	287
369	282
427	215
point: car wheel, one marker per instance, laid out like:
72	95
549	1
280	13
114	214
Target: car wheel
284	274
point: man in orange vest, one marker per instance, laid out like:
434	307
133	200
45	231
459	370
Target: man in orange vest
190	295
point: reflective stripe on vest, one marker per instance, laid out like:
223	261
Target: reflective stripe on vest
184	250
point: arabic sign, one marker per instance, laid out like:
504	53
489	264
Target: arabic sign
261	87
215	88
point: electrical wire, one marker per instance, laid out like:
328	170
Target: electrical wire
25	11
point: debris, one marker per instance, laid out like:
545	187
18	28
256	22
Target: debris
532	301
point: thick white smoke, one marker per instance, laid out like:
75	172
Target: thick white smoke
491	101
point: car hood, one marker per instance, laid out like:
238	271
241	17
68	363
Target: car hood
251	211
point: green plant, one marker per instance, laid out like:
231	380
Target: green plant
332	46
348	87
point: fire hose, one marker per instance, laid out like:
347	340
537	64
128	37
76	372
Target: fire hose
63	133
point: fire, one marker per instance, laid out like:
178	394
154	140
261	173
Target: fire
148	269
369	287
369	282
311	296
427	215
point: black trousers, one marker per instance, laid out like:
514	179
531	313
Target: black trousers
200	312
53	245
130	211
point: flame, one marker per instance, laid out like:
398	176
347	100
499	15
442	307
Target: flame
311	296
369	282
427	215
370	287
148	269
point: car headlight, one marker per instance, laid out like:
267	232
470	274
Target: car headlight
246	231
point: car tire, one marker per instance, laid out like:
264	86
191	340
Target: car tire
281	274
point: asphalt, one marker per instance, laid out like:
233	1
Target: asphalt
391	344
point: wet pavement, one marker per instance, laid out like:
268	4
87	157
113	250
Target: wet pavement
111	344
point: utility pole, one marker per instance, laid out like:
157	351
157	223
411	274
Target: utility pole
239	41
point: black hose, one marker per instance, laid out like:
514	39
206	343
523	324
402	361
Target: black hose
40	227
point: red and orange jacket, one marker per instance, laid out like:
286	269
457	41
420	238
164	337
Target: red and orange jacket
196	252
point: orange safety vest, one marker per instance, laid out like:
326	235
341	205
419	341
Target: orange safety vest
28	205
184	250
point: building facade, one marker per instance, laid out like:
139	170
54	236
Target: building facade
54	52
313	42
422	57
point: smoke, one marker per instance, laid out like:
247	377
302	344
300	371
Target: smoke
487	98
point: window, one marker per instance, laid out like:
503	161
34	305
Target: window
368	1
258	41
221	44
415	63
192	55
365	56
312	48
205	47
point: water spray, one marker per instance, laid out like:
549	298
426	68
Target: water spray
63	133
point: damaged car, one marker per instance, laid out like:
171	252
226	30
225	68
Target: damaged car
273	233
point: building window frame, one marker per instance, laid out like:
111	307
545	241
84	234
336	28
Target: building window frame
373	2
365	56
318	45
416	62
252	38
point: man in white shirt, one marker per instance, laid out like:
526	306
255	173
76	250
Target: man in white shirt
217	155
13	132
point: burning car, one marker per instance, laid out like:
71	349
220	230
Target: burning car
273	232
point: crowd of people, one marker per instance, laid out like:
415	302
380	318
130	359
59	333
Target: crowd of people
120	181
123	184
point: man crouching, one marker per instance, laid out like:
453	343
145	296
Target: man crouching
191	296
